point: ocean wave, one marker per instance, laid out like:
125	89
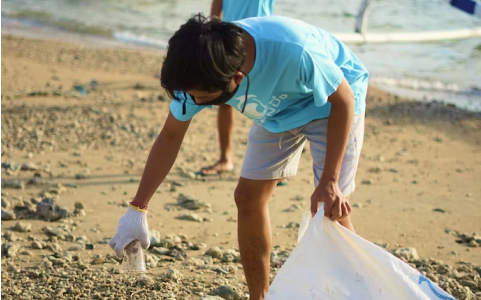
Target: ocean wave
425	85
131	38
45	18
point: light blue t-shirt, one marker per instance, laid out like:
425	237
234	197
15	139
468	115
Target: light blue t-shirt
297	67
233	10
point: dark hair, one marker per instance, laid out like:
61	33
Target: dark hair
203	54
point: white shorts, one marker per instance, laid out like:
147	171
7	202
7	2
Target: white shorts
276	155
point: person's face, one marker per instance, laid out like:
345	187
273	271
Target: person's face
202	97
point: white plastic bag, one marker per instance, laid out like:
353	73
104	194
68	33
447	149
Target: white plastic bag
332	263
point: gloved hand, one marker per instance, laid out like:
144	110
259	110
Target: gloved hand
132	226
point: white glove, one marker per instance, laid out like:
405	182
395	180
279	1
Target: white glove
132	226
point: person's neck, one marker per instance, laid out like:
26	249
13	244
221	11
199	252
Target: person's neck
250	52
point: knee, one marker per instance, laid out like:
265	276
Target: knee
243	200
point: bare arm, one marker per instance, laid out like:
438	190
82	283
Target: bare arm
338	130
216	8
161	158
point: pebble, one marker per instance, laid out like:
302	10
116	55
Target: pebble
173	274
439	210
190	217
5	203
13	184
188	202
49	210
10	249
227	292
10	236
214	253
292	225
375	170
367	181
75	248
26	253
23	227
406	253
8	215
229	256
36	245
54	247
79	205
29	166
293	208
145	280
357	205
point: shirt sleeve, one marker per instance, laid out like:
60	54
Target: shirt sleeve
318	71
176	107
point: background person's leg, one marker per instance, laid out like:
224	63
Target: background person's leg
254	233
225	127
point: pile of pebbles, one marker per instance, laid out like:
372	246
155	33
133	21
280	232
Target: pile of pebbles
49	129
471	240
214	274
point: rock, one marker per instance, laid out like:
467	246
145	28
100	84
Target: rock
10	249
473	244
190	217
145	280
89	246
23	227
188	202
50	211
8	215
10	236
375	170
79	205
406	253
36	245
439	210
51	231
154	238
26	253
13	184
58	261
198	246
75	248
211	298
5	203
214	253
98	260
79	212
469	283
292	225
29	166
367	181
293	208
297	198
229	256
172	274
227	292
357	205
160	250
82	240
54	247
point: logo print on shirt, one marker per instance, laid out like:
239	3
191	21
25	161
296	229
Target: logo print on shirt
256	110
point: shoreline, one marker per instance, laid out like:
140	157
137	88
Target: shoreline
415	89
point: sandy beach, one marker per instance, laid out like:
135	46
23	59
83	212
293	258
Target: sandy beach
418	182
